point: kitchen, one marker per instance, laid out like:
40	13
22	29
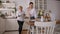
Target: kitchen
9	24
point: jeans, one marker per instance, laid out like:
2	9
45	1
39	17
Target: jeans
20	23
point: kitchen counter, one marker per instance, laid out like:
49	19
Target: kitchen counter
11	24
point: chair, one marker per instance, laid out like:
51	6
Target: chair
30	27
31	23
57	29
45	27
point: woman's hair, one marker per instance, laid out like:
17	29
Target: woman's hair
20	7
31	3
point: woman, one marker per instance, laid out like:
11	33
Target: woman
31	12
20	18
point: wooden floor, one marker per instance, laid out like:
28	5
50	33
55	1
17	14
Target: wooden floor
15	32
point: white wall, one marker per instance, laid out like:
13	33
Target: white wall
54	7
58	5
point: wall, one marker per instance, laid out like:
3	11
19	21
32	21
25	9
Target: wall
58	3
54	7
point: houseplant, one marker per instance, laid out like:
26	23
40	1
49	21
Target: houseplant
0	4
2	15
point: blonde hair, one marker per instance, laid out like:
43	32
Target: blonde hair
20	7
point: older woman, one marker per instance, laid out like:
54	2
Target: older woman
20	18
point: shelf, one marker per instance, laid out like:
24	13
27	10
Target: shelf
2	9
8	5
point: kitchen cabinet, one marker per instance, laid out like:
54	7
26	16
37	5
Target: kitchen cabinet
11	24
8	9
2	25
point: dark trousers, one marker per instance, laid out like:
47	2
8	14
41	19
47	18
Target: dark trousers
32	17
20	23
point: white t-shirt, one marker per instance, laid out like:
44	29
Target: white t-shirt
20	16
31	13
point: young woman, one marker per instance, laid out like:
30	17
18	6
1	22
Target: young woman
31	12
20	18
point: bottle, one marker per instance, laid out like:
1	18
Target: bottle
42	18
47	17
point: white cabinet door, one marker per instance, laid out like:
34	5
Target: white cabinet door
11	24
2	25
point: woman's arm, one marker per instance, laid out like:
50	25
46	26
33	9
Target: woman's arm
16	14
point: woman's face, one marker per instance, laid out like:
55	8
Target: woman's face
31	5
20	9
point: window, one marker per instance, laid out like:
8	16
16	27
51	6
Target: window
41	4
